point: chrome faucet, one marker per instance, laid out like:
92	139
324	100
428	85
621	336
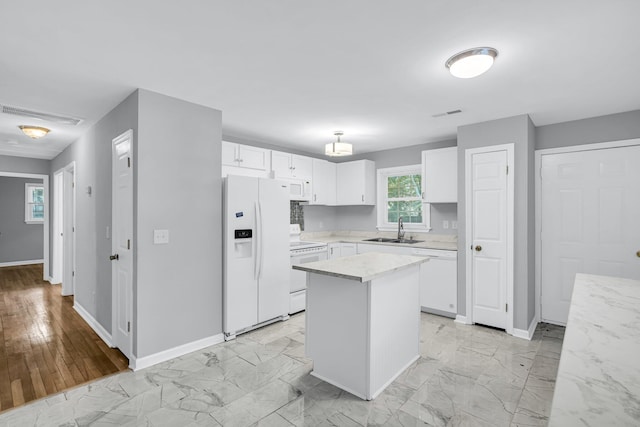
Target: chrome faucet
400	229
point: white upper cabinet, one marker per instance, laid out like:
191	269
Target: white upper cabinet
356	183
324	183
245	156
440	175
287	165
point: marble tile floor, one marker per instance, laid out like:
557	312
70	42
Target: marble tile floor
467	376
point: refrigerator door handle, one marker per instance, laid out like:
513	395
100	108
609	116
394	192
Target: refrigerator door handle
259	240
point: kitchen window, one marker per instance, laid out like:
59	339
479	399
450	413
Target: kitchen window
400	195
34	203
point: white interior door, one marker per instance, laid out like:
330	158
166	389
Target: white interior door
122	242
590	221
69	231
58	227
489	210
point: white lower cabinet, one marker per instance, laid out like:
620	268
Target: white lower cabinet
438	277
337	250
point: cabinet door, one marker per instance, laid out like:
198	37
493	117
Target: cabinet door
334	250
281	164
229	153
324	183
439	285
355	184
348	249
440	175
253	157
302	167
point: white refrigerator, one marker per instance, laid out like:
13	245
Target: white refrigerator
256	253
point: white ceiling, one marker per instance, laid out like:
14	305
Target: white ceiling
291	72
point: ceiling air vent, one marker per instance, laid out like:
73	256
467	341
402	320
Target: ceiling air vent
47	117
448	113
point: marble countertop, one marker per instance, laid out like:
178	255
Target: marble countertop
363	267
598	381
447	242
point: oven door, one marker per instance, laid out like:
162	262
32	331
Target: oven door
299	278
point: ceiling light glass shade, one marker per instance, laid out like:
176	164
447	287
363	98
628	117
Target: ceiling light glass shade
472	62
34	132
337	149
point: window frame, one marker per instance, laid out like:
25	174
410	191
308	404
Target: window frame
382	212
28	190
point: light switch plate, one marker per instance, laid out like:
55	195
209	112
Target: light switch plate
445	224
160	237
454	224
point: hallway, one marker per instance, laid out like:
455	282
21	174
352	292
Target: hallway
45	346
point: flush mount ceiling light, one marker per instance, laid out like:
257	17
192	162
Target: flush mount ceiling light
471	62
337	149
34	132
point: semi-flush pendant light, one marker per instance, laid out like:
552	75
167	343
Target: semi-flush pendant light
34	132
336	149
471	62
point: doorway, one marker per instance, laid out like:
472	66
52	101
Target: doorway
489	192
587	212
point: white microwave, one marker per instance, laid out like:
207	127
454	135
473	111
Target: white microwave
300	189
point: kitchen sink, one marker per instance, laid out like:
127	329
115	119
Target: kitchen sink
387	240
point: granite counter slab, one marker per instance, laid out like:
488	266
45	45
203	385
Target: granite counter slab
443	242
598	381
363	267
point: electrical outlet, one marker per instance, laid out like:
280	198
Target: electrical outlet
454	224
160	237
445	224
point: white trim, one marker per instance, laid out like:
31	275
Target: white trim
57	244
462	319
16	263
509	148
45	228
381	222
93	323
162	356
528	334
538	202
69	281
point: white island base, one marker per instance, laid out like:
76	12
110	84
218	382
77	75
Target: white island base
362	334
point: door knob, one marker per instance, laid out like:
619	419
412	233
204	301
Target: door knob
114	257
478	248
638	254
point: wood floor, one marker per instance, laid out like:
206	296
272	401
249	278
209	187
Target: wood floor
45	346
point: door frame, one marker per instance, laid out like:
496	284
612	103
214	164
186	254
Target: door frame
114	291
45	227
538	200
509	148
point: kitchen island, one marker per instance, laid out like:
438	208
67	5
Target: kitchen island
363	319
598	381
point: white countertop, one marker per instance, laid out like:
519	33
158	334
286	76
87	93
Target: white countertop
447	242
598	380
363	267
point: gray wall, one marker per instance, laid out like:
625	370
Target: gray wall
614	127
179	285
92	154
520	131
19	241
24	165
364	218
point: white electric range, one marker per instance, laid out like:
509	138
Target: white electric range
301	252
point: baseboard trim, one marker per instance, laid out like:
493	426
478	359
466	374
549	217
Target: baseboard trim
16	263
461	319
91	321
528	334
162	356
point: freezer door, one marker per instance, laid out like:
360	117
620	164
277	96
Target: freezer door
240	285
273	249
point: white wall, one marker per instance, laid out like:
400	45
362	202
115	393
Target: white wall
178	187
